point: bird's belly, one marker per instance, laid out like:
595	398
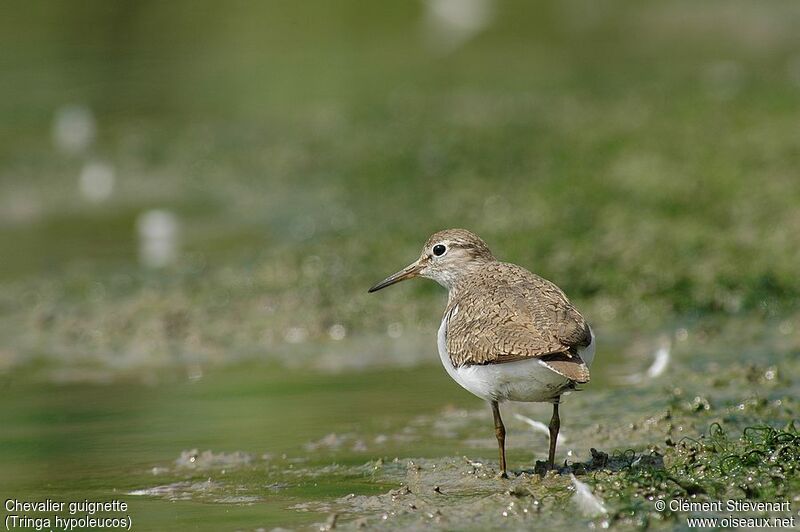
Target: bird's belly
522	380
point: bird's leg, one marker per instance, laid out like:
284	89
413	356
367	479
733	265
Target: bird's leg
500	433
555	424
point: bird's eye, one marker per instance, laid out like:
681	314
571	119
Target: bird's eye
439	250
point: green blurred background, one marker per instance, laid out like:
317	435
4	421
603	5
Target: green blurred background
194	197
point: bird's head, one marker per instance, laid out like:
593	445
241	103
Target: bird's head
445	257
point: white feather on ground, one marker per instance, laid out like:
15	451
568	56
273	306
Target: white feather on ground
540	427
657	367
590	504
660	362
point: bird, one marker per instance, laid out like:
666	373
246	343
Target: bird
506	334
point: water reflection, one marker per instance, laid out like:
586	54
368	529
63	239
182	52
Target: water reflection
337	331
74	128
96	182
158	238
449	24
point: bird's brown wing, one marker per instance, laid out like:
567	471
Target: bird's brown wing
504	313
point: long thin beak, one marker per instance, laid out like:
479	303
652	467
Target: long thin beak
412	270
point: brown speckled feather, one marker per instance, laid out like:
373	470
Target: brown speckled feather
501	312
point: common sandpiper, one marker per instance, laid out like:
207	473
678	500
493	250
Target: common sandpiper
506	334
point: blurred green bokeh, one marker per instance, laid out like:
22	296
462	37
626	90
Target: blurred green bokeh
642	156
190	184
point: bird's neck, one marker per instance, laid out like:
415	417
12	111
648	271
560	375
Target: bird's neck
455	283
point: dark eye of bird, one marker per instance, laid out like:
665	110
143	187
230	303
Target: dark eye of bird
439	250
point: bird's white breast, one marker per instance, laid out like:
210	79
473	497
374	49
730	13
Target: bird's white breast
587	353
523	380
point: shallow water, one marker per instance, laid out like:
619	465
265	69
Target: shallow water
282	440
263	446
103	441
